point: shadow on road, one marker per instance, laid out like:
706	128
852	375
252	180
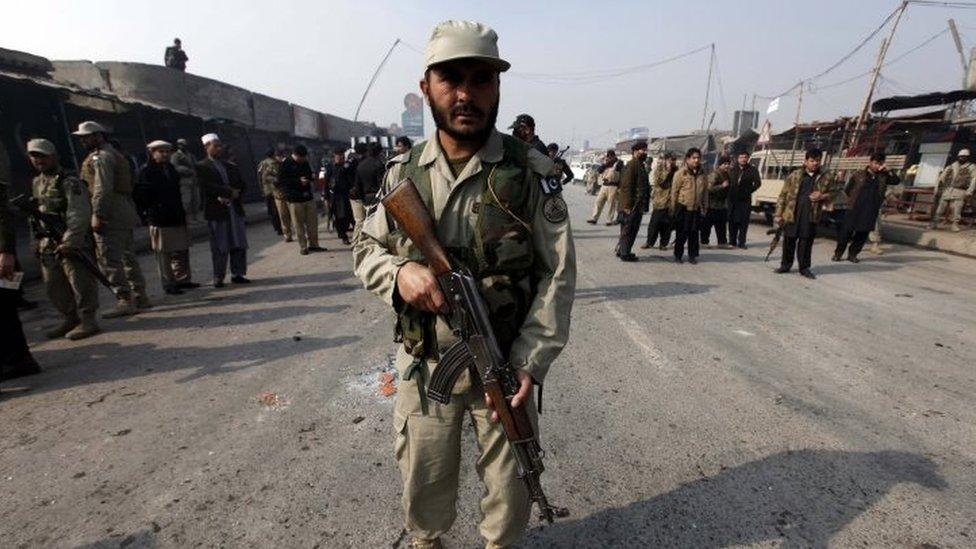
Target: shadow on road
147	321
629	292
801	499
873	264
105	362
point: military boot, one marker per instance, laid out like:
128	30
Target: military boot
419	543
61	329
142	302
87	328
955	227
876	249
124	307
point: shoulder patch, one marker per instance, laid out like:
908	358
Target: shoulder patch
554	209
550	184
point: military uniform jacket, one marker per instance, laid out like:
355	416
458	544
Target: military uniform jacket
661	179
786	204
109	179
66	196
634	186
184	164
959	176
718	196
268	175
456	206
689	188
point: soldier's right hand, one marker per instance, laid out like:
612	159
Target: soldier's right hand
417	286
778	221
96	223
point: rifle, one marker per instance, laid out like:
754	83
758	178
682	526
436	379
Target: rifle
772	245
51	226
477	349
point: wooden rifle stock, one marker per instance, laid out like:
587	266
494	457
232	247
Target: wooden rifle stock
404	204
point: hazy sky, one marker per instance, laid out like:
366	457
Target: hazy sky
321	54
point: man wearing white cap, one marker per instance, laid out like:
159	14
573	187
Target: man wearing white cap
160	203
485	190
71	288
222	187
956	183
109	179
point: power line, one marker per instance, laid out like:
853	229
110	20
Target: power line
954	5
585	77
843	59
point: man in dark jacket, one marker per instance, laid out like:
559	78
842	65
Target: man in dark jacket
222	186
15	357
160	203
718	204
559	166
865	192
369	178
340	181
175	57
634	200
295	184
743	181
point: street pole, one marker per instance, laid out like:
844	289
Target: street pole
708	86
796	124
866	107
958	41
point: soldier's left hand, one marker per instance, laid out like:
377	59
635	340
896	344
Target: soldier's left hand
525	390
96	223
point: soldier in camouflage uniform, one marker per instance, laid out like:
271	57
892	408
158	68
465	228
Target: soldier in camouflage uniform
497	216
71	288
114	216
182	159
956	186
267	177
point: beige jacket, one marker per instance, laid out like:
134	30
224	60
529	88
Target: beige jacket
546	328
690	189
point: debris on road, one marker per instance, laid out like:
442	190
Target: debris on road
272	400
387	387
357	420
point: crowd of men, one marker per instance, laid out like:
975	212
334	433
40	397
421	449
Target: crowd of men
694	203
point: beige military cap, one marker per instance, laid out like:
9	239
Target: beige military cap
159	144
89	127
41	146
452	40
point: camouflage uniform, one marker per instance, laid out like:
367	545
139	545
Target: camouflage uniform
267	177
956	185
71	288
517	242
109	180
184	163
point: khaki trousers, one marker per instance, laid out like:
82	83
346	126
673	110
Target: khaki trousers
117	258
306	219
71	288
284	214
951	198
428	451
607	196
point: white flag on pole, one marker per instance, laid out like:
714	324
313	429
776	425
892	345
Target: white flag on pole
773	106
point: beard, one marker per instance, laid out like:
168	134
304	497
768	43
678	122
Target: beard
442	119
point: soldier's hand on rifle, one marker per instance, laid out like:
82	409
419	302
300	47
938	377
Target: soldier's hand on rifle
778	221
96	223
7	266
417	286
525	389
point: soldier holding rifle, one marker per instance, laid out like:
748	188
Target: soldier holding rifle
506	239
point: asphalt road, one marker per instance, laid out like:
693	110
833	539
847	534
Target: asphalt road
695	406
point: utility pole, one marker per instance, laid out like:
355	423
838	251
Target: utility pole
708	86
865	109
796	124
958	41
